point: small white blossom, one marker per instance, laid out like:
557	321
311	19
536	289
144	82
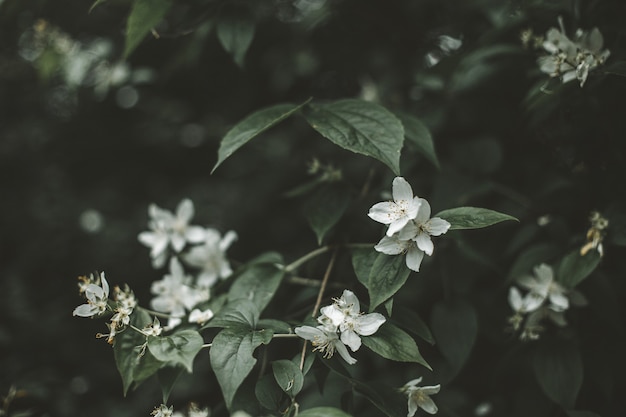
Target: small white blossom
414	238
325	340
97	294
162	411
543	286
153	329
200	317
211	257
398	212
419	397
174	293
169	230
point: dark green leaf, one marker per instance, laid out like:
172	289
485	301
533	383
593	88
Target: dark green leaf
269	393
559	370
235	32
258	283
387	276
395	344
179	348
472	217
419	135
324	208
323	412
362	263
276	326
361	127
144	15
231	357
531	257
288	376
168	375
455	327
412	322
616	68
239	312
574	267
385	398
250	127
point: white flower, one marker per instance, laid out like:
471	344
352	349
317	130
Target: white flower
174	294
211	257
346	316
419	397
543	286
200	317
398	212
97	294
172	230
162	411
325	340
153	329
414	238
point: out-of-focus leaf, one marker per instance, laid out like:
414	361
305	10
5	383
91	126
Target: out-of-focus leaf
411	321
558	368
362	262
472	217
361	127
455	327
531	257
325	207
178	348
385	398
258	283
269	394
323	412
419	135
250	127
288	376
231	357
168	375
575	267
235	32
482	156
144	15
395	344
616	68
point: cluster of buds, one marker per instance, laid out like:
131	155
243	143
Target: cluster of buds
595	234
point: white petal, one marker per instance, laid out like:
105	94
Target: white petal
437	226
397	225
368	324
414	258
185	210
515	299
424	243
428	405
228	240
225	270
207	279
413	207
532	302
558	301
195	234
385	212
309	333
85	310
424	212
343	352
335	315
412	407
413	382
408	232
176	269
105	285
178	242
544	273
431	389
401	190
351	339
391	246
351	300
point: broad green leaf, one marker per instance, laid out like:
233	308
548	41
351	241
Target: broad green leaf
250	127
419	135
240	312
168	375
235	32
288	376
395	344
323	412
575	267
454	326
133	367
362	263
361	127
387	276
276	326
558	368
472	217
412	322
258	283
267	258
386	399
269	394
179	348
324	208
144	15
231	357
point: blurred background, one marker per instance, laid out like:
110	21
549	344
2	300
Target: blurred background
88	140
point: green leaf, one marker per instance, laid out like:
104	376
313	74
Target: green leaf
250	127
276	326
455	327
239	312
558	368
419	135
257	283
385	398
231	357
412	322
168	375
361	127
387	276
133	367
616	68
395	344
472	217
288	376
144	15
323	412
324	208
269	394
362	263
179	348
235	32
574	267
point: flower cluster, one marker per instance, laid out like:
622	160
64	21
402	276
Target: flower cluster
572	59
595	234
410	225
545	299
340	324
419	397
